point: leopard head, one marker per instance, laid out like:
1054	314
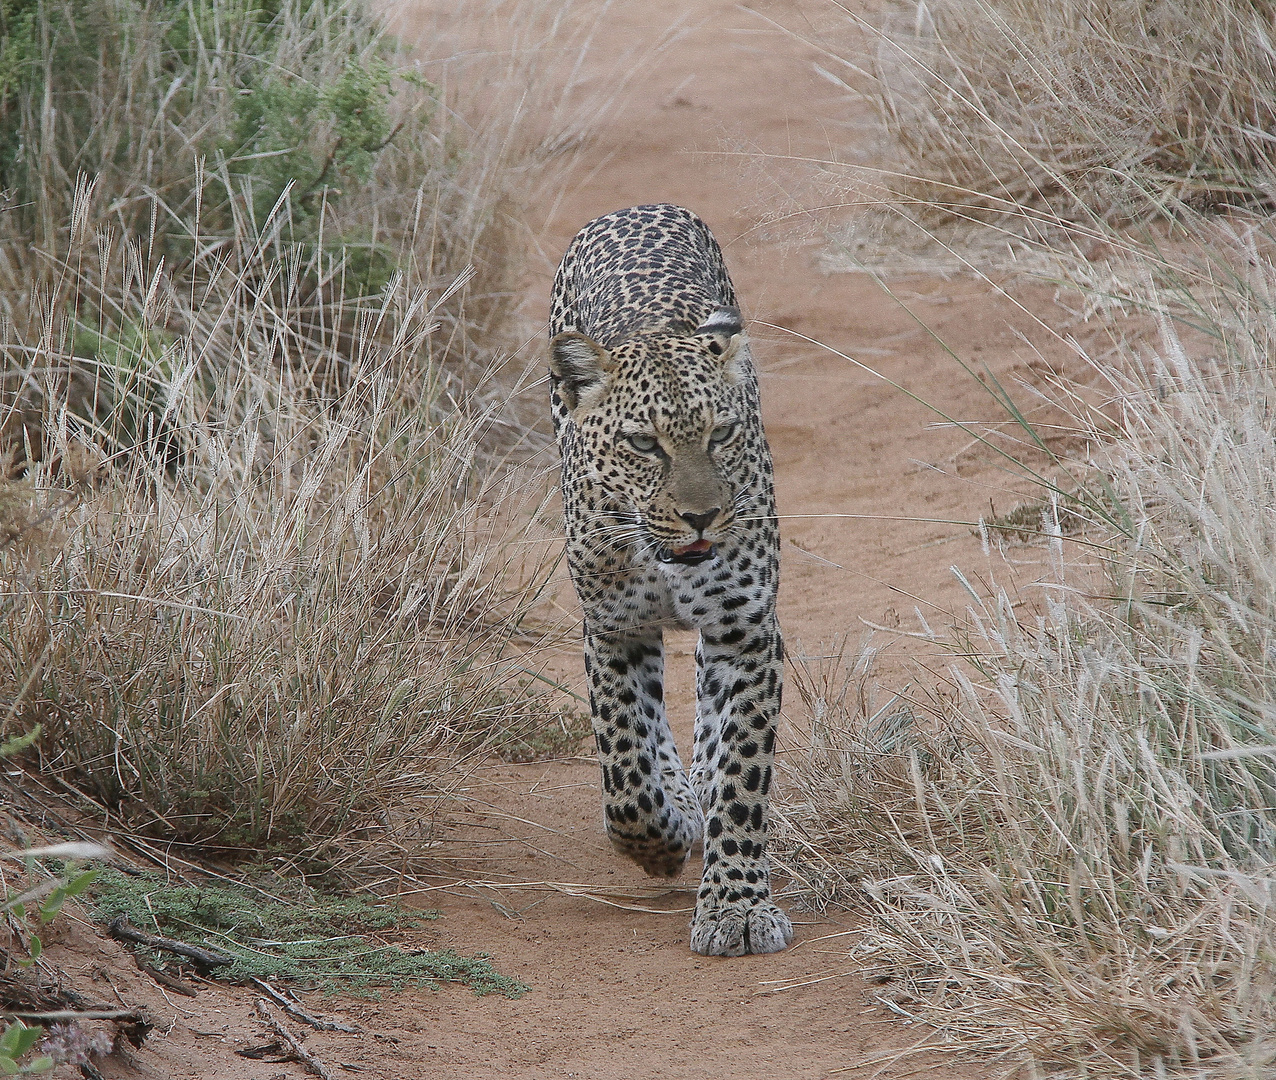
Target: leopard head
664	426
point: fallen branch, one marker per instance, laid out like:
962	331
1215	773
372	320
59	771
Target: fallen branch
64	1016
164	978
122	930
275	1052
298	1013
34	991
299	1053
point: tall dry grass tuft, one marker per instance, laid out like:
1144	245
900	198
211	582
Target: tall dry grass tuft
849	779
1079	877
1080	872
246	605
250	584
1020	111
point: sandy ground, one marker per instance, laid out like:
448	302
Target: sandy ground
866	480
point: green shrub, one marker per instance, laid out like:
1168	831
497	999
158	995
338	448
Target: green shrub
322	942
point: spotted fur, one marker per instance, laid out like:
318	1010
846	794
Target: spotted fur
670	512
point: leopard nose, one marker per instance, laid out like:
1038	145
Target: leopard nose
700	522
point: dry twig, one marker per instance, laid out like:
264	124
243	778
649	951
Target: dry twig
66	1016
164	978
298	1013
298	1052
122	930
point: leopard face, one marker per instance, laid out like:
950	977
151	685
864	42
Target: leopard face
663	425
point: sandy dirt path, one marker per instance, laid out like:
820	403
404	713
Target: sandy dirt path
616	990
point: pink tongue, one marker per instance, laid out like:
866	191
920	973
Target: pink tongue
693	549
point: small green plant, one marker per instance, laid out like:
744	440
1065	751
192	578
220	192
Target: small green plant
48	897
50	894
15	744
15	1043
323	942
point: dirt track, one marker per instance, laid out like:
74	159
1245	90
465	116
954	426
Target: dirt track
616	991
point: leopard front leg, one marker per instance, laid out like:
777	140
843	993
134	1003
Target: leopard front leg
738	686
650	811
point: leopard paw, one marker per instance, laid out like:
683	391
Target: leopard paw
656	861
737	930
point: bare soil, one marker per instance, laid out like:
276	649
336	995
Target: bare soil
869	485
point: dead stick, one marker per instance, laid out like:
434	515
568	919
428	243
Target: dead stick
122	930
298	1013
300	1054
164	978
59	1016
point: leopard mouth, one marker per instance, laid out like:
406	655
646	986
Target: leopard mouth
693	554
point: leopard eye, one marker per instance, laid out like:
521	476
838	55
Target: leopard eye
722	433
644	444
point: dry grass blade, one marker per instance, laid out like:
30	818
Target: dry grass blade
610	895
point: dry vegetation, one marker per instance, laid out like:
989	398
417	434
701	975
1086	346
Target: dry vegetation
1070	864
253	279
1086	110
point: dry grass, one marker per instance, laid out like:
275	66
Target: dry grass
1030	136
850	777
1078	874
250	582
1094	111
1069	866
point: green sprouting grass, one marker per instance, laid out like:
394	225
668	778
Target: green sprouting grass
324	942
542	734
1024	522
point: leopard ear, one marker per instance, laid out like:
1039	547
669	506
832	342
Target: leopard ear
579	368
726	335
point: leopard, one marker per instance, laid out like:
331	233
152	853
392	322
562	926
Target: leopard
668	499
